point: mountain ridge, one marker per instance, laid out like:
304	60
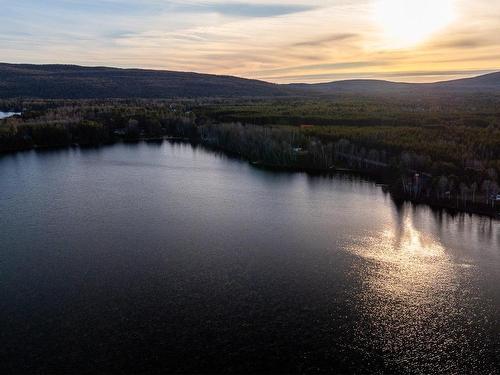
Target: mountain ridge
53	81
58	81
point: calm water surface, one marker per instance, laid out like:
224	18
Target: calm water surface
162	257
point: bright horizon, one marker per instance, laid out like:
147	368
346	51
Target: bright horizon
283	42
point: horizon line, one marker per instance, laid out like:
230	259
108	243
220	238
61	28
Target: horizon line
464	74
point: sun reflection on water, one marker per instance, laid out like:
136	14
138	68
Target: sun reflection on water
410	263
404	244
415	305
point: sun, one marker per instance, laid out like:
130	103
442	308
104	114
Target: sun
409	22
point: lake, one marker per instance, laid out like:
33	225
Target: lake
162	257
8	114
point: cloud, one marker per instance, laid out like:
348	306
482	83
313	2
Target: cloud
245	9
279	40
439	73
296	70
465	42
326	40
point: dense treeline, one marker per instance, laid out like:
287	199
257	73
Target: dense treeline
452	157
86	123
464	110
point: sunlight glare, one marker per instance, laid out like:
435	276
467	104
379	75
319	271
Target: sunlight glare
408	22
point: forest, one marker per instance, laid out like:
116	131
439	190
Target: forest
440	150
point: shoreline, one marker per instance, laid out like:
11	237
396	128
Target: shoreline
380	178
481	209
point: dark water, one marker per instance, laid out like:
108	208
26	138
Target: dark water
158	258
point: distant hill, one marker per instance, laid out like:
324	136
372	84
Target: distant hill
489	83
77	82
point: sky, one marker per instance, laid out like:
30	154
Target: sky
278	41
